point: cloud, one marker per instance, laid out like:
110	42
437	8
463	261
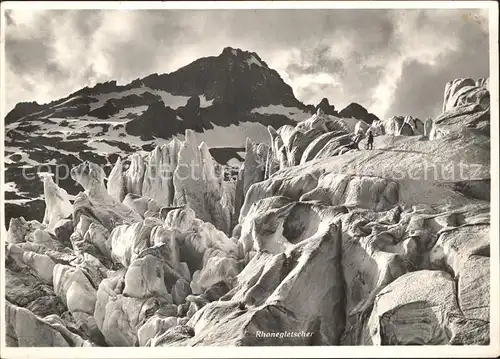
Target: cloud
390	61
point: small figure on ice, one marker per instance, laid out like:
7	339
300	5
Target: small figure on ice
369	144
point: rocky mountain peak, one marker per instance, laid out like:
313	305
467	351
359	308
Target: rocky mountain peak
325	106
251	58
355	110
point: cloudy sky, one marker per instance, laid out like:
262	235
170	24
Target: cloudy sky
393	62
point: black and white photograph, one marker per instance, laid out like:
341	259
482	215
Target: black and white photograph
269	175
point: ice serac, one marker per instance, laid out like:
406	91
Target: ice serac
332	243
252	170
57	204
321	133
159	173
419	308
466	107
465	91
24	329
134	176
254	164
116	183
275	293
95	202
198	182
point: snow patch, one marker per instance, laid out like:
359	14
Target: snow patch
24	156
232	136
21	201
102	147
10	187
204	102
138	110
169	99
63	152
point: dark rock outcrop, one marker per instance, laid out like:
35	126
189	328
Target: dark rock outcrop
357	111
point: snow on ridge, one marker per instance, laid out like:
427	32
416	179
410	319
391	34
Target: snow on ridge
174	101
253	60
291	112
168	99
103	97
